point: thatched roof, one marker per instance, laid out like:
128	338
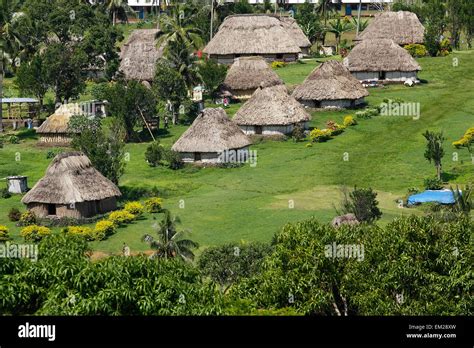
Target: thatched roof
271	106
292	27
71	178
380	55
250	73
139	55
253	35
402	27
212	131
58	122
330	81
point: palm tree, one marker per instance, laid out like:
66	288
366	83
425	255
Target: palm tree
170	243
339	27
324	8
118	7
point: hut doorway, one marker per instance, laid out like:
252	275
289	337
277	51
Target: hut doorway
382	75
51	209
258	130
197	156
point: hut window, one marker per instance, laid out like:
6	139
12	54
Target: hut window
258	130
279	56
51	209
197	156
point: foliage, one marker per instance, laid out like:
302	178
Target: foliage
367	113
4	234
80	123
212	75
349	121
278	64
14	139
298	133
121	217
416	50
28	218
14	214
31	78
334	127
154	205
154	154
309	21
53	153
464	202
229	263
466	141
362	202
170	242
135	208
434	149
104	228
34	233
81	231
320	135
4	193
339	27
433	184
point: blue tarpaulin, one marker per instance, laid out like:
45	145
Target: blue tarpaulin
438	196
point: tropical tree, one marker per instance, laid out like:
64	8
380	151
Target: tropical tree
118	8
213	75
338	28
434	150
464	202
324	9
170	242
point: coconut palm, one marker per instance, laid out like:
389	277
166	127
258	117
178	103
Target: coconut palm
169	242
339	27
118	8
324	9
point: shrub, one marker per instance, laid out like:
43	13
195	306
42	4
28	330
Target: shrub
466	140
349	121
1	142
78	231
53	152
298	133
35	233
154	205
4	234
4	193
416	50
121	217
320	135
445	45
334	127
104	228
433	184
135	208
154	154
278	64
14	139
28	218
174	160
14	214
362	203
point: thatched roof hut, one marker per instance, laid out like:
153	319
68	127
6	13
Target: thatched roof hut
247	74
72	187
381	59
330	85
139	55
292	27
252	35
55	129
211	133
271	111
402	27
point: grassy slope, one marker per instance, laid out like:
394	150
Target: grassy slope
229	205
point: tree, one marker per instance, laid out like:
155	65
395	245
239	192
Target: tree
324	9
362	203
213	75
31	78
170	242
170	86
434	150
339	27
105	148
118	8
309	22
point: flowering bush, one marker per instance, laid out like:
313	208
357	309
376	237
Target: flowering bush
154	205
121	217
4	233
335	128
135	208
277	64
34	233
105	228
416	50
349	121
466	140
28	218
320	135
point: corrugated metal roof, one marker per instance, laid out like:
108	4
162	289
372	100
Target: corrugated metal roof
18	100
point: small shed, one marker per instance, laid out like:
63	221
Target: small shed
17	184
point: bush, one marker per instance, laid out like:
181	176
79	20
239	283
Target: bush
277	64
154	154
4	193
320	135
1	142
154	205
53	153
28	218
445	45
78	231
362	203
349	121
466	140
298	133
14	214
4	234
121	217
367	113
135	208
104	228
334	127
14	139
433	184
416	50
174	160
34	233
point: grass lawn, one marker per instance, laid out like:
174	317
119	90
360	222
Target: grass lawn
290	181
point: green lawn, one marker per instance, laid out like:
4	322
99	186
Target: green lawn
231	205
